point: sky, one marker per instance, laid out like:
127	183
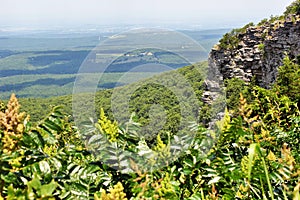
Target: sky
208	13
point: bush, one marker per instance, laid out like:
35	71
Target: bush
287	82
231	40
234	87
294	8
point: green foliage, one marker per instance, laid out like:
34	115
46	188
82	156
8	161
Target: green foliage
288	79
231	40
294	8
261	47
263	22
234	87
140	102
34	190
49	161
275	18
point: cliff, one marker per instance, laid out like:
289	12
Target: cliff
257	51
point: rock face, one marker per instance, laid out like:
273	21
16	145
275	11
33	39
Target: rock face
259	52
256	51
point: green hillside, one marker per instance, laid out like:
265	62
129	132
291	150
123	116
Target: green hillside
193	74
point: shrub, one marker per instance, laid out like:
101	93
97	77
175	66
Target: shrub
294	8
287	82
231	40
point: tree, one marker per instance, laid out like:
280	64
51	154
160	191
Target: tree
287	82
294	8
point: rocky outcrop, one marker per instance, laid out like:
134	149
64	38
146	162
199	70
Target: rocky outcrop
259	52
256	51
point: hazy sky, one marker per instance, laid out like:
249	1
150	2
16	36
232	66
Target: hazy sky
78	12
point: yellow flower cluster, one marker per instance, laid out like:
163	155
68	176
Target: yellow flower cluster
271	156
224	124
11	125
245	163
115	193
108	127
50	150
162	149
241	193
16	163
160	146
164	187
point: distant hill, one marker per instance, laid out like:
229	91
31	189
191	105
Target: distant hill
45	65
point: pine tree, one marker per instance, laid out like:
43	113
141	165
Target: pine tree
288	79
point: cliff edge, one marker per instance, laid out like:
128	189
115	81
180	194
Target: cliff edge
256	51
